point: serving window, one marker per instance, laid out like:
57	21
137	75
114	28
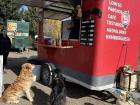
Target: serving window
61	27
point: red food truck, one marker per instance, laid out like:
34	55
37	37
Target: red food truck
108	39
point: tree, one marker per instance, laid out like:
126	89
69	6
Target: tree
9	10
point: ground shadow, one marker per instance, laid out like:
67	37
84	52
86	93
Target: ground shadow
88	103
76	91
15	64
40	98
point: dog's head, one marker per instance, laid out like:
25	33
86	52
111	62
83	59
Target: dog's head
27	69
58	84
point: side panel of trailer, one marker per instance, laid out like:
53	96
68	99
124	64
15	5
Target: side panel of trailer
93	63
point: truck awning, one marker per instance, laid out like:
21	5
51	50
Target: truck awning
56	9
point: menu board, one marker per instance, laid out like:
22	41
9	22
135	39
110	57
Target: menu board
87	32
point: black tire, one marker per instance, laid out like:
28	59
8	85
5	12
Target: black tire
47	73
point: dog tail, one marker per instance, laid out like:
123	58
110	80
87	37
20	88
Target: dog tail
1	99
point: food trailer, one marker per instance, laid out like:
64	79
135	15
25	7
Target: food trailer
108	40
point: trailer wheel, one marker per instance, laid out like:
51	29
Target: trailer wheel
47	73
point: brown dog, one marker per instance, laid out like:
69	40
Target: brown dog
20	86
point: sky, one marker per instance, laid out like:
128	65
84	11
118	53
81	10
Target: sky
23	7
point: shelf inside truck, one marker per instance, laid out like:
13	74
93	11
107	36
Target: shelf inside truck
52	46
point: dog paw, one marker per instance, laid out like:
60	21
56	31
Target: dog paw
31	100
12	101
17	101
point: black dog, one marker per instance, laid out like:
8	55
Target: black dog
58	94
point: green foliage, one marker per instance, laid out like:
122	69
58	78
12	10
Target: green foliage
9	10
29	16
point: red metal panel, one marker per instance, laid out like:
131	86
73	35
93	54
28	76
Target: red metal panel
116	47
78	58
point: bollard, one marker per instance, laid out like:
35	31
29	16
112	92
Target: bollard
1	74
